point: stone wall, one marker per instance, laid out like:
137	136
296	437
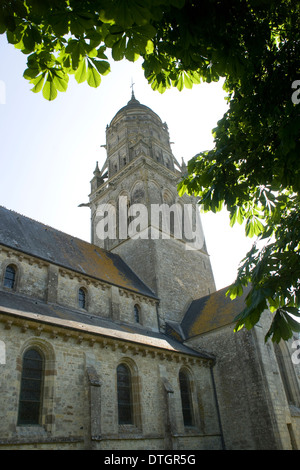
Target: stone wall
43	281
177	275
282	377
80	393
255	413
32	273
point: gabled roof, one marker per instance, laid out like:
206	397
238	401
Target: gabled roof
211	312
36	239
23	308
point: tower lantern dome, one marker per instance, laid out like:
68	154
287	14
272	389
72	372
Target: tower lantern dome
134	107
137	130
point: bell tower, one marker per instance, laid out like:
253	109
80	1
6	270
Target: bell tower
137	213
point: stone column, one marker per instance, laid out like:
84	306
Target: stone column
114	303
52	284
95	405
169	409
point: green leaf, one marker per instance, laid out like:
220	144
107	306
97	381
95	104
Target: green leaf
273	304
132	52
93	76
29	40
194	76
102	66
148	31
187	81
49	90
293	324
10	23
100	53
117	29
72	45
179	82
60	23
293	311
15	36
149	47
128	13
111	39
60	81
92	53
95	37
236	290
181	188
282	327
118	49
233	217
249	229
106	16
30	73
81	73
80	23
38	83
73	50
239	216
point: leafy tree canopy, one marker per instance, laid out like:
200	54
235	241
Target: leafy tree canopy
254	168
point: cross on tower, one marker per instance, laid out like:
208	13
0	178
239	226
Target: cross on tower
131	86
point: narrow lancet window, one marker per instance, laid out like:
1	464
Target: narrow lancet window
124	386
31	388
136	311
81	298
10	277
185	391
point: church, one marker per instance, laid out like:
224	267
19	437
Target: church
124	343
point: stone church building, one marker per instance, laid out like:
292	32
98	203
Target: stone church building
124	343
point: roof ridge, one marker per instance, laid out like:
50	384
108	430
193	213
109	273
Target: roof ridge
69	251
49	226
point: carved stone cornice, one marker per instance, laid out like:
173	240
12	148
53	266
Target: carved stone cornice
47	331
21	256
137	297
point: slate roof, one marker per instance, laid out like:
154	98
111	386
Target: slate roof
36	239
20	306
211	312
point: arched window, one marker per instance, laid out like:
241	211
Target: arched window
82	298
124	387
136	311
186	402
10	277
30	402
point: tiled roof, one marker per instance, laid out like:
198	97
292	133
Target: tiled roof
22	307
211	312
36	239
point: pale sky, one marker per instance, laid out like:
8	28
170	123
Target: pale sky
49	150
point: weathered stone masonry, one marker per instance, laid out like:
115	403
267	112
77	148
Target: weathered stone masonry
146	307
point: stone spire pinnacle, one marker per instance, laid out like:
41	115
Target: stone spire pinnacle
97	171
